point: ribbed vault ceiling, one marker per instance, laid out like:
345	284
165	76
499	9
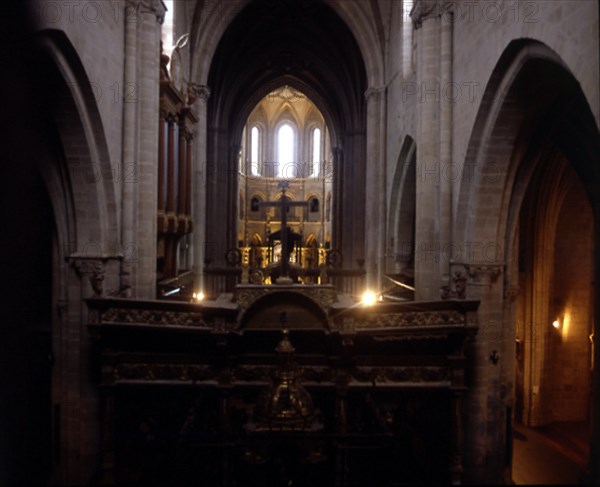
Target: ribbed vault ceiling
302	43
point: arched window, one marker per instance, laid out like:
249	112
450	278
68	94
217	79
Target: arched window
254	150
316	152
285	152
254	203
313	205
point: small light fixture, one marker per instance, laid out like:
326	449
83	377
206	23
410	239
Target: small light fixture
369	298
197	297
555	324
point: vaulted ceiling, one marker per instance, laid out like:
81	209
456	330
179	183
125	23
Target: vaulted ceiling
302	43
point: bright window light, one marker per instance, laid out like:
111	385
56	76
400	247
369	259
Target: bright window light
316	155
285	149
254	142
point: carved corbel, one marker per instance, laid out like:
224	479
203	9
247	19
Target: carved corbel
198	91
423	10
457	289
95	270
484	273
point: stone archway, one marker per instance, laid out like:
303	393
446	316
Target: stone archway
267	46
553	325
63	171
520	123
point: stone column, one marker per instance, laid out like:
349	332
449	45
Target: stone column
161	162
79	401
485	427
150	19
199	187
375	207
350	175
130	135
172	121
448	173
427	224
188	171
336	216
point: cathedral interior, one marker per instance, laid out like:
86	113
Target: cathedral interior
300	242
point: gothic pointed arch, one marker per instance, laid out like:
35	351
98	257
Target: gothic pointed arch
68	251
265	47
534	122
496	144
91	220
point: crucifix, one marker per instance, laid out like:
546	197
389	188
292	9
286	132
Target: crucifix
284	204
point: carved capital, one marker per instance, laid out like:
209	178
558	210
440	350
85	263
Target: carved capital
155	7
484	273
196	91
423	10
457	288
94	270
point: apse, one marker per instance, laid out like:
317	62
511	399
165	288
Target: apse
285	138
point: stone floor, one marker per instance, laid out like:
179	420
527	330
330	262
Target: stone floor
554	454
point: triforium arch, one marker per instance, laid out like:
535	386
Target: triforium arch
533	118
265	47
